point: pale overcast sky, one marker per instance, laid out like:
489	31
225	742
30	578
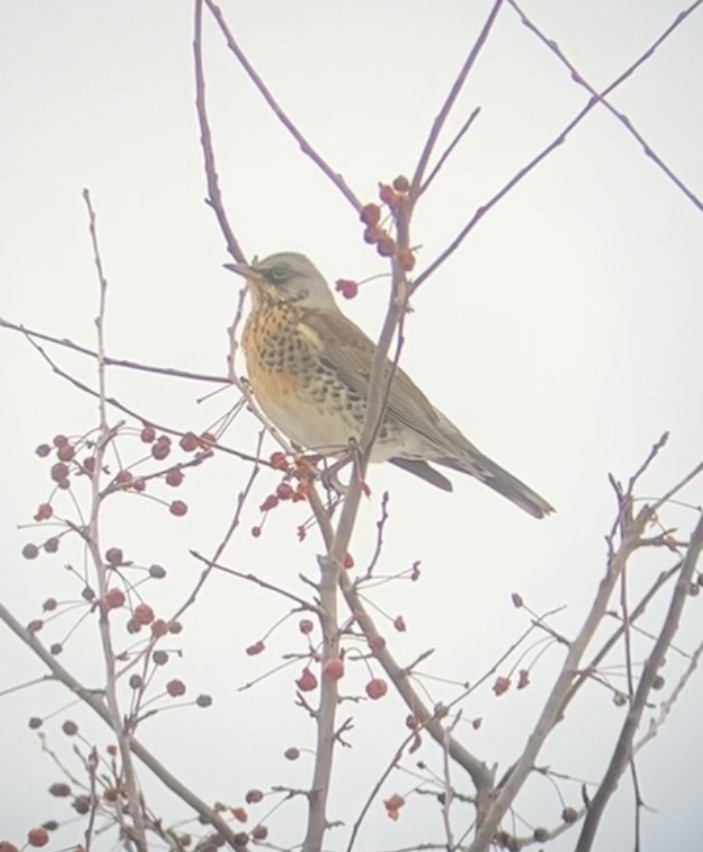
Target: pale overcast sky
563	338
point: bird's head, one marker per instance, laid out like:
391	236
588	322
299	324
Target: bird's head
285	277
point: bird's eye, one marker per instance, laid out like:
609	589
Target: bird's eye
278	274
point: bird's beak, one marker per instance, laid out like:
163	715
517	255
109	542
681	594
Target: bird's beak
240	269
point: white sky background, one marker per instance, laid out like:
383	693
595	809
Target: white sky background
564	338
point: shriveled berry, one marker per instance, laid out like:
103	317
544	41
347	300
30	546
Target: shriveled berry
204	700
60	440
30	551
160	658
89	464
160	450
305	626
43	450
157	572
135	681
255	649
178	508
401	184
69	728
291	753
139	484
35	722
50	604
259	832
399	624
175	627
55	649
35	626
256	531
159	628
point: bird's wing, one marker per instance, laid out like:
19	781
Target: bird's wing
345	346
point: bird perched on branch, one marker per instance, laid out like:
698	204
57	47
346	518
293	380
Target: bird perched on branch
310	368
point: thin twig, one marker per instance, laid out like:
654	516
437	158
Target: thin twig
558	140
106	435
579	79
276	108
623	749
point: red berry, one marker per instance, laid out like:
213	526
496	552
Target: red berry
6	846
399	624
189	442
253	796
386	246
114	557
240	814
44	512
174	477
178	508
376	644
406	260
124	478
207	440
278	461
148	434
160	450
256	648
143	614
89	464
37	837
284	491
159	627
305	626
114	598
376	688
65	452
259	832
370	214
333	668
373	234
501	685
307	681
175	688
60	440
269	503
348	561
59	471
348	289
256	531
388	195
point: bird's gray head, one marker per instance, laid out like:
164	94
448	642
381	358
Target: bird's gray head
286	277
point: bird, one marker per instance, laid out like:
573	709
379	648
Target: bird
309	367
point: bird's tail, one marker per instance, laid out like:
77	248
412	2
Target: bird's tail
500	480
